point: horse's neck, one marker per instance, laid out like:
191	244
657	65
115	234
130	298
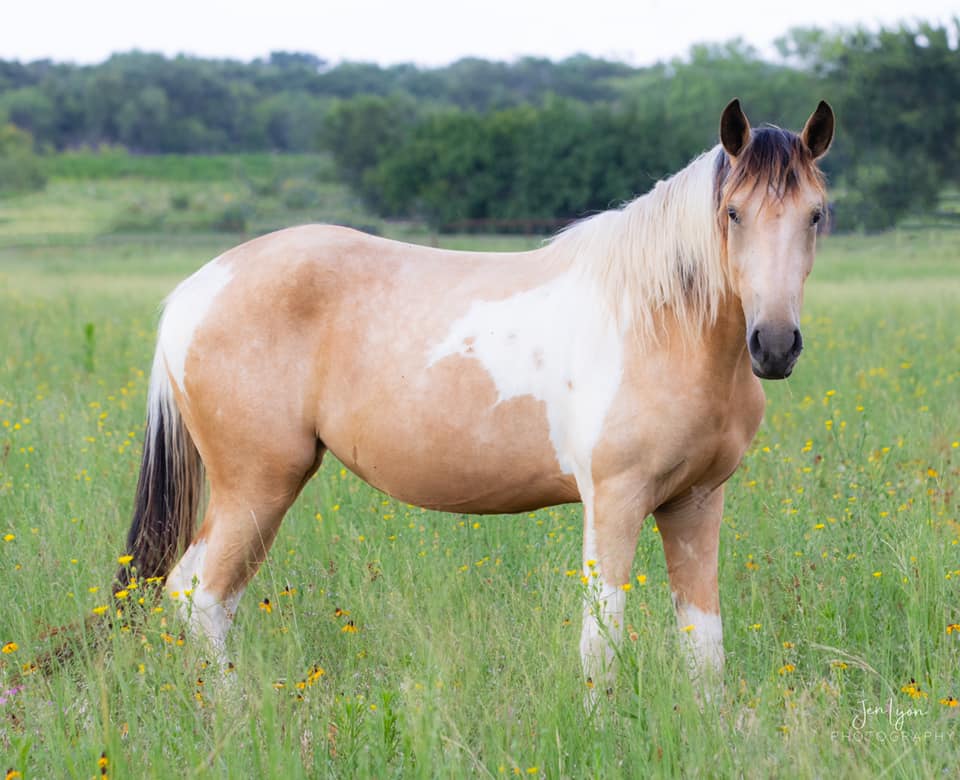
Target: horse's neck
718	355
725	353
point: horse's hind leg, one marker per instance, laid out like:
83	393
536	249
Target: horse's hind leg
248	500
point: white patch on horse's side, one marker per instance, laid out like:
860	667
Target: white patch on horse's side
702	635
207	615
184	310
557	343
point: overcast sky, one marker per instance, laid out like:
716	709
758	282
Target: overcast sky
428	32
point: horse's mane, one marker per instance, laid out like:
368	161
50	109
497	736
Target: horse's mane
660	250
665	250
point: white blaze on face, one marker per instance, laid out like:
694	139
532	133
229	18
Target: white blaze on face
207	615
701	633
185	309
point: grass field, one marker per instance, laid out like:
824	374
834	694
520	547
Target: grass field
385	641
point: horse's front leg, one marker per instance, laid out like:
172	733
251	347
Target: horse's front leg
613	518
690	530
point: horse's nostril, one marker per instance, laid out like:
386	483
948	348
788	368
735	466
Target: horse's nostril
797	342
754	343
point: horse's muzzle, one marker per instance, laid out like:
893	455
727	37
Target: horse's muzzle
774	350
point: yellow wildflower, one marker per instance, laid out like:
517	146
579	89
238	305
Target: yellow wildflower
912	689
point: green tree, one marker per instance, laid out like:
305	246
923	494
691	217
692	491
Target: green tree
20	170
900	129
30	109
359	132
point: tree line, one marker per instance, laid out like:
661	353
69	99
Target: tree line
531	139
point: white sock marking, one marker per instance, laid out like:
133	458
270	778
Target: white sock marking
206	614
602	630
704	641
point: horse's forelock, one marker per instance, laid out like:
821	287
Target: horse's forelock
775	160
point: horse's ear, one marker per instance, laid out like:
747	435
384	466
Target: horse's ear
734	128
818	131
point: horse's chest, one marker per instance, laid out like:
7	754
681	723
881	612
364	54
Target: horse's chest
677	434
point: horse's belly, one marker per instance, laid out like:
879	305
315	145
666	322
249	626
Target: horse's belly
467	491
450	445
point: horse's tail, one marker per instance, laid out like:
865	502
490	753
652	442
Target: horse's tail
169	488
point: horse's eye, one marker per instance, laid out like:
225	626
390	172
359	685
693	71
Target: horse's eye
817	216
734	216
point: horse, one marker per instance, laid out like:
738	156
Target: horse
617	365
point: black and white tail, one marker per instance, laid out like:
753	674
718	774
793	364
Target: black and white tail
170	486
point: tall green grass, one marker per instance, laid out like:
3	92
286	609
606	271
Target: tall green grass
839	573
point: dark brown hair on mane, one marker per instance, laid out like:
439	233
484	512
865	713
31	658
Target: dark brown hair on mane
774	159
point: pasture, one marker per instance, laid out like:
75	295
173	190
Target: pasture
385	641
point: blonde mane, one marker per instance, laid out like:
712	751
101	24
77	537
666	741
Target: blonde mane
662	251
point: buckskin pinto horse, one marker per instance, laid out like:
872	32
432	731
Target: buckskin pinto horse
617	365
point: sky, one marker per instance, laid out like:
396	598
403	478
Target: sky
425	32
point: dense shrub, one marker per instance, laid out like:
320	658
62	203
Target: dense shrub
298	194
233	218
20	168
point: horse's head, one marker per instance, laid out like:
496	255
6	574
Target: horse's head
771	197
